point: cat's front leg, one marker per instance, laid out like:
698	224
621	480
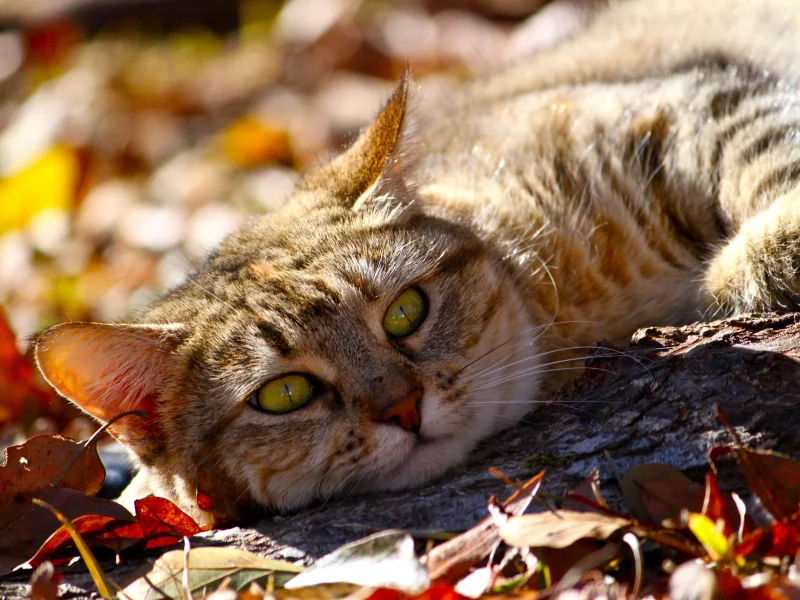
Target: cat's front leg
759	268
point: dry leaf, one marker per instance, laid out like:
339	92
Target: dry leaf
559	529
208	568
657	492
382	560
453	559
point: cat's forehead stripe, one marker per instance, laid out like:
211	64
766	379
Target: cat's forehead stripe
274	337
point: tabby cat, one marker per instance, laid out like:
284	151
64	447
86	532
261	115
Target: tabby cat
419	291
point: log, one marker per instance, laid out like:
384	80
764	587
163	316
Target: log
655	405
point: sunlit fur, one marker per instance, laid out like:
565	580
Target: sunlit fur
643	172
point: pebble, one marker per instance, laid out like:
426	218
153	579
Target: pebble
155	228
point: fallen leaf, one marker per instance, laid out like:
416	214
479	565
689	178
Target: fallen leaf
780	539
91	527
98	576
589	488
439	591
382	560
158	521
454	559
476	583
21	392
695	579
49	461
31	528
717	507
50	181
559	528
208	568
657	492
248	143
706	532
773	477
50	467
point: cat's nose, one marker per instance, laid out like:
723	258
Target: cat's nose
406	412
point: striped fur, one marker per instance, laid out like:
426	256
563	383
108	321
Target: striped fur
644	172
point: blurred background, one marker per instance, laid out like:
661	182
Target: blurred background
135	134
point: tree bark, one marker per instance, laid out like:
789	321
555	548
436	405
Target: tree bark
655	405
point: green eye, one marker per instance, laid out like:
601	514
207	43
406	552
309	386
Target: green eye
284	394
406	314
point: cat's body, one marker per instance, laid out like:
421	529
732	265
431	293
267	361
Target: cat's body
644	172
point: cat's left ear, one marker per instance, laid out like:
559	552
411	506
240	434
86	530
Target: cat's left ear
109	369
372	159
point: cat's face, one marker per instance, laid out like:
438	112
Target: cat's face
341	344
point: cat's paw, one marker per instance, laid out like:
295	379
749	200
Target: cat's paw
759	269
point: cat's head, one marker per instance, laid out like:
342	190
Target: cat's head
353	340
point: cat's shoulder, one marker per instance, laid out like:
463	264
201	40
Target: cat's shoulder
634	39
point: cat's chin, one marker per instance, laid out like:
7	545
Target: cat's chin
425	461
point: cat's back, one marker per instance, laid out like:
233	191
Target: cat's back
635	39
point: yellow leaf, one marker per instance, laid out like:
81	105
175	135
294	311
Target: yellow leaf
248	142
50	181
707	534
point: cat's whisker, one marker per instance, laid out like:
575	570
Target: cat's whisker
511	339
539	355
508	376
533	371
354	487
340	485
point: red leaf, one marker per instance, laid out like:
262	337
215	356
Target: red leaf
773	477
439	591
91	528
159	516
30	527
780	539
21	391
158	521
718	506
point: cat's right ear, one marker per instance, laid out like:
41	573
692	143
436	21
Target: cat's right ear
373	158
109	369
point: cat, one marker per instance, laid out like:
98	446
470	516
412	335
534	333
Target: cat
421	290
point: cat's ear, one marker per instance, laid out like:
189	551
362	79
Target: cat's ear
109	369
371	159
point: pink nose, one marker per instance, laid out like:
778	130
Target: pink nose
406	412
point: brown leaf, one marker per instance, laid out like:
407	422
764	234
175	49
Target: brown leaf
454	558
559	529
49	461
27	527
589	488
55	469
658	492
773	477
